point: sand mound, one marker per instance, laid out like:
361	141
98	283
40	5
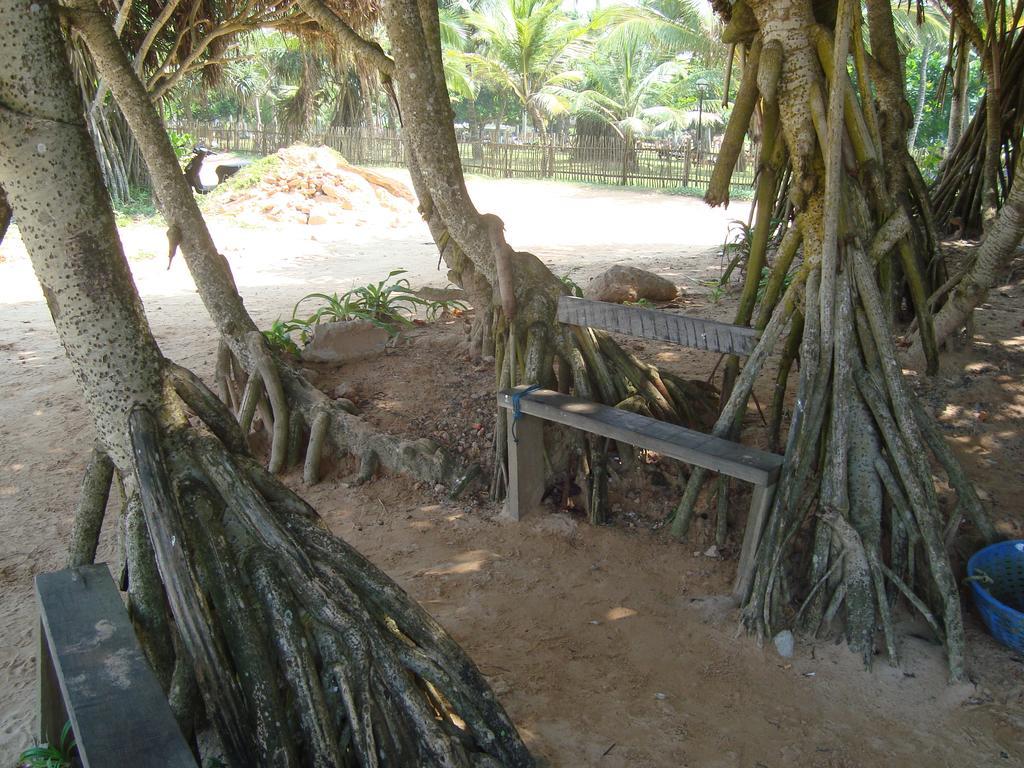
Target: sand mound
315	186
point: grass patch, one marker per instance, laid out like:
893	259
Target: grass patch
735	193
249	176
140	206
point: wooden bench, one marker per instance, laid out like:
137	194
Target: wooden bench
525	442
93	672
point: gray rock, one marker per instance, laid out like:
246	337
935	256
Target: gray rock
620	283
430	293
785	643
342	341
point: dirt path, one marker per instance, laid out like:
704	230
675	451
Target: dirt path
599	641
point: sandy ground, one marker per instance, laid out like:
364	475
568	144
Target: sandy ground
602	642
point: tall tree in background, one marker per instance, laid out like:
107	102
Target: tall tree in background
528	47
921	31
302	651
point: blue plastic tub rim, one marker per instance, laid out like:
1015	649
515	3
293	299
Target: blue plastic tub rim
1004	561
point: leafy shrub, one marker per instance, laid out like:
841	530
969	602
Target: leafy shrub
183	143
389	304
279	335
929	159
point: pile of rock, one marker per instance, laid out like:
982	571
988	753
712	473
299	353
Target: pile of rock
316	186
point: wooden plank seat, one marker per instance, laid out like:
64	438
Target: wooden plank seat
93	672
658	325
525	442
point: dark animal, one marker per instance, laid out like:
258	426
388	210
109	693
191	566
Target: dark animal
223	170
194	166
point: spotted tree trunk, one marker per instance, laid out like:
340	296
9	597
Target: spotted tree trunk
855	527
300	651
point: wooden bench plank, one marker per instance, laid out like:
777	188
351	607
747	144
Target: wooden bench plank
117	709
658	325
687	445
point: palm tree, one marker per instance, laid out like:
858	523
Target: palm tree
529	48
921	32
672	28
625	80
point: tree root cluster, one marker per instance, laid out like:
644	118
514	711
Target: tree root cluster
302	422
855	525
298	650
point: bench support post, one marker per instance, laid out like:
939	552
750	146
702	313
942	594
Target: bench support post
52	714
760	503
525	465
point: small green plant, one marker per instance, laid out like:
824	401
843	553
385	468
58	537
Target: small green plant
49	755
736	247
389	304
717	292
182	142
279	335
440	307
640	303
571	286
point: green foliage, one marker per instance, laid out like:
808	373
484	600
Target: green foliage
572	288
139	206
716	292
249	176
279	335
645	303
735	193
929	159
736	248
389	304
528	49
60	755
183	143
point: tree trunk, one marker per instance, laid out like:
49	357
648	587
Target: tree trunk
854	475
475	131
305	653
922	92
521	314
987	265
958	112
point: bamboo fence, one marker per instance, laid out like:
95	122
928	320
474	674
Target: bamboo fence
584	159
